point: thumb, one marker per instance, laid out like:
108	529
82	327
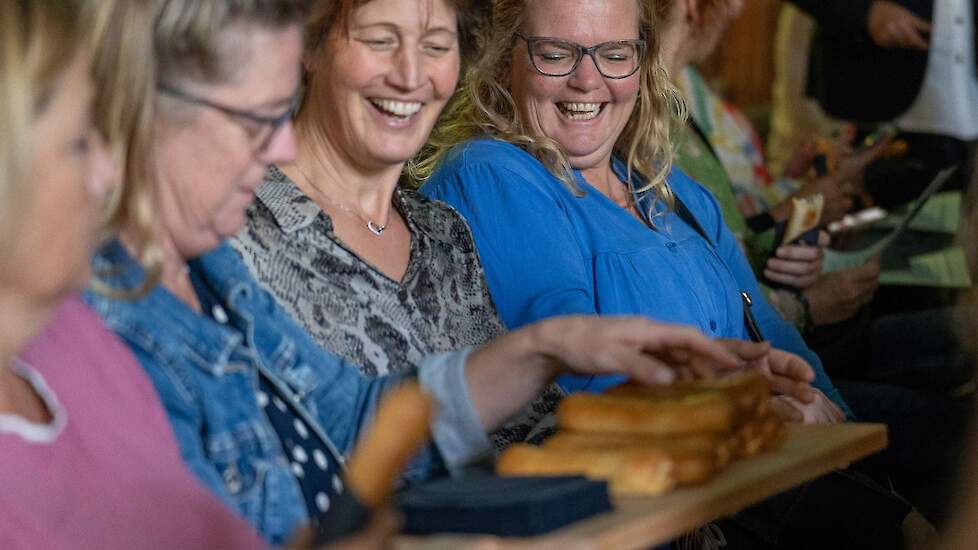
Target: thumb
747	350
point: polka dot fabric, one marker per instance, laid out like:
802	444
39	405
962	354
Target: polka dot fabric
315	468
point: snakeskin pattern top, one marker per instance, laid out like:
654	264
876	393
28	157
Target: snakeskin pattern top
354	310
351	308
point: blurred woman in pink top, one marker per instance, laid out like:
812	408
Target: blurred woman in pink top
87	455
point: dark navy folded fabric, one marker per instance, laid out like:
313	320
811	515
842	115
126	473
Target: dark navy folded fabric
504	506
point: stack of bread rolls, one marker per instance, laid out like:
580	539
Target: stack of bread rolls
646	440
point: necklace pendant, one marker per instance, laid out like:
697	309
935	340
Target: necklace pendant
375	229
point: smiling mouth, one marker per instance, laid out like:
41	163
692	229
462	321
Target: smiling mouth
401	110
580	111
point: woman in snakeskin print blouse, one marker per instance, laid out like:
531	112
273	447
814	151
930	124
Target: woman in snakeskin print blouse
376	273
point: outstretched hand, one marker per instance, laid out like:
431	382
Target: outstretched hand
647	351
789	374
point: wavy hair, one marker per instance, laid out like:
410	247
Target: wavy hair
38	40
484	107
125	78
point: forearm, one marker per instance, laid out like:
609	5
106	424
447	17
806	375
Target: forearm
477	391
506	375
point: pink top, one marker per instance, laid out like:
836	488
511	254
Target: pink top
106	472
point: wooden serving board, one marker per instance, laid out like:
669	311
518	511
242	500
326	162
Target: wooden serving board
808	452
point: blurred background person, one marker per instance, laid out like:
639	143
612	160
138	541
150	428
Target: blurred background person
910	62
89	458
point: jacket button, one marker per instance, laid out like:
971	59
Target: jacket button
232	480
713	325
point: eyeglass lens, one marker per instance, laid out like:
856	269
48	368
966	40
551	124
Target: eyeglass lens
559	58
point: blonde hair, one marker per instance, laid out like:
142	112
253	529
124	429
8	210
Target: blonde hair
484	107
125	78
37	43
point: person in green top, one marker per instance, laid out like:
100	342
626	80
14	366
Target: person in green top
719	150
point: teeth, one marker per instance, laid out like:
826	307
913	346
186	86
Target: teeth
398	108
581	111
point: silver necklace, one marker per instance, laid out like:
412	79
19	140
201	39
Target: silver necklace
376	229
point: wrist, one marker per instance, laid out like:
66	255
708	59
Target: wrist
540	350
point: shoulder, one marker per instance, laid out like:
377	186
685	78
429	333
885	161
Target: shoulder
487	159
439	220
76	333
697	198
486	170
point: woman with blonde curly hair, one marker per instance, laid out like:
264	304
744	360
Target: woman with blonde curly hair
565	177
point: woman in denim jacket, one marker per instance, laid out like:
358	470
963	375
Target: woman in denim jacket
262	415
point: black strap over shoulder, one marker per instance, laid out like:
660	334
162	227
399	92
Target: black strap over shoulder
753	329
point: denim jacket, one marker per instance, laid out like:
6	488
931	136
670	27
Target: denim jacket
206	372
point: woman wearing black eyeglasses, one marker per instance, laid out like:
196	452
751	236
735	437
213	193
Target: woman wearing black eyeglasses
567	184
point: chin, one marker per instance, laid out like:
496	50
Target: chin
394	157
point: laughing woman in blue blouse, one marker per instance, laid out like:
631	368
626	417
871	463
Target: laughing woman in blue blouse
564	174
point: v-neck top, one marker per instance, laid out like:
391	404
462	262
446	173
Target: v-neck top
351	308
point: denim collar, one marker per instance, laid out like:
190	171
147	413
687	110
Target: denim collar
164	322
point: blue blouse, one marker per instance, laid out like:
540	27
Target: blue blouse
548	252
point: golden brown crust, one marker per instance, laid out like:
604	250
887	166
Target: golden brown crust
697	457
749	390
400	428
628	472
703	412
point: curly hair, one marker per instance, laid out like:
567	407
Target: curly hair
484	107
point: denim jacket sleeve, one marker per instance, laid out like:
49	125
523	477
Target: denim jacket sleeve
347	401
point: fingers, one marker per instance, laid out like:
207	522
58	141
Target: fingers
794	281
641	366
663	339
746	350
910	35
869	271
801	391
799	253
785	410
790	366
907	31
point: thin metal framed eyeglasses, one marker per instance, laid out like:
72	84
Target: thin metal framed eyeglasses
259	129
616	59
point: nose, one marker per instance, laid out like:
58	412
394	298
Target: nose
104	173
406	72
586	77
281	147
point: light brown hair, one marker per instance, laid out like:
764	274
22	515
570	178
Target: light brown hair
125	80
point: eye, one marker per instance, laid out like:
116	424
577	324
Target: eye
379	43
617	55
436	49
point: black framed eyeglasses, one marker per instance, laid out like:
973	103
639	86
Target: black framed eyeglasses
260	129
554	57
